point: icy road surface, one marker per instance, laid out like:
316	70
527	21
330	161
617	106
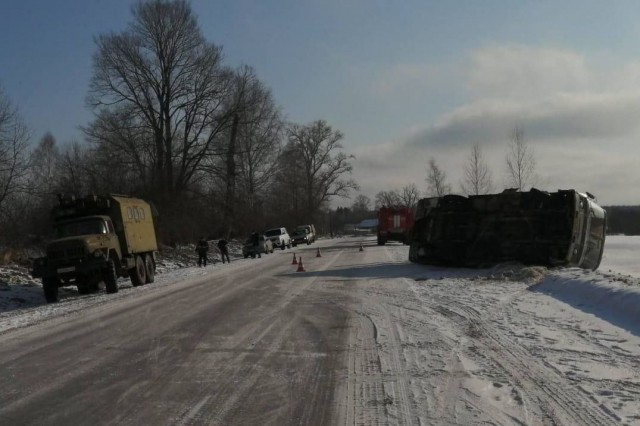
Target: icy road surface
360	338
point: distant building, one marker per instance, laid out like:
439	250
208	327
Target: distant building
368	224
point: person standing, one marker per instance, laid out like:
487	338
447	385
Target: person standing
255	239
202	248
224	250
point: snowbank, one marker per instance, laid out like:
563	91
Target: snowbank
614	300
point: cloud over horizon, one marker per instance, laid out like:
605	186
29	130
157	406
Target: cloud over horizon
581	120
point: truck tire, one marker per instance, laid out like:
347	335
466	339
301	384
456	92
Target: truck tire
50	288
138	273
414	246
283	246
110	278
150	268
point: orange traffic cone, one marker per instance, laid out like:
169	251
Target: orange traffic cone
318	254
300	266
294	261
361	248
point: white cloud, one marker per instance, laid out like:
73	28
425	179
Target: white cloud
581	119
563	115
522	72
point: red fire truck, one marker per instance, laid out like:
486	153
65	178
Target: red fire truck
394	224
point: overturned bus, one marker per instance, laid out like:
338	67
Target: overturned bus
563	228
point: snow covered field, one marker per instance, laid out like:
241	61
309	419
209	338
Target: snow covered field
505	345
612	292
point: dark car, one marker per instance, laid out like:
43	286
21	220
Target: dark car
265	246
300	236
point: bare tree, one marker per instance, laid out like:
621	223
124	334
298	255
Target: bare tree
388	199
170	83
44	166
14	140
362	204
520	161
409	195
477	176
323	165
260	134
436	180
73	170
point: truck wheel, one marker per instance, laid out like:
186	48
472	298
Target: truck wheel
138	273
110	278
50	287
150	267
283	246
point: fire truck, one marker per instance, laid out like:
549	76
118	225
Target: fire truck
394	224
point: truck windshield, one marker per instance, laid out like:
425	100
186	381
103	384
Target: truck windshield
273	232
595	240
80	227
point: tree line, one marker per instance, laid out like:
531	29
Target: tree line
205	143
477	179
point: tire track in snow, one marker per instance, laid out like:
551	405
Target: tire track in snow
561	403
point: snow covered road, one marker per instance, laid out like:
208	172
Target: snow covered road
360	338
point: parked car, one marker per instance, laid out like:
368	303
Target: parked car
310	231
265	246
279	237
300	236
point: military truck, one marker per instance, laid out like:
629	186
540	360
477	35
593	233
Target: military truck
563	228
98	239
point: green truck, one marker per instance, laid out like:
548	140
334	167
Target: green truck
98	239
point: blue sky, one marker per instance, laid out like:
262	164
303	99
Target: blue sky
403	80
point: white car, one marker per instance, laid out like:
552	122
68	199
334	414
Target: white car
279	237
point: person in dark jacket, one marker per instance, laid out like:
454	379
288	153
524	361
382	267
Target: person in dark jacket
202	248
255	240
224	250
